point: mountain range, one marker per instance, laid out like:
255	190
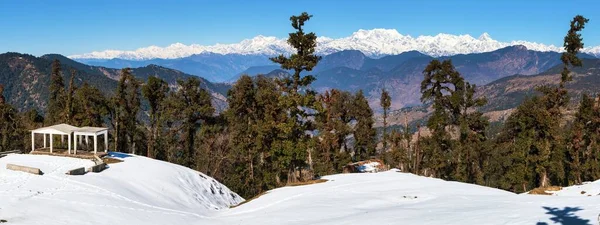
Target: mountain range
224	63
402	74
26	79
374	43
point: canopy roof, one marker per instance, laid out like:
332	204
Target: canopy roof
62	128
90	130
66	129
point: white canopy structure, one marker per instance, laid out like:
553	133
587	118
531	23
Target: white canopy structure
68	130
92	131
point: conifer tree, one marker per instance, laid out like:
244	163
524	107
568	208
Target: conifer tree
582	149
56	101
441	87
125	105
155	91
334	125
554	100
243	118
298	98
385	103
364	133
69	102
90	107
190	106
11	128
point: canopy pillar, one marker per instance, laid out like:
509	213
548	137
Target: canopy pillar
105	141
51	144
32	141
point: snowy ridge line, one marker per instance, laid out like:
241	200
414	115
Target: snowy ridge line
373	43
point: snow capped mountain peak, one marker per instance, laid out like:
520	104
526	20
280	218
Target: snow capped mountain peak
377	33
373	43
485	37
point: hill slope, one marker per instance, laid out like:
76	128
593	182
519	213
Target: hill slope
510	91
138	190
26	78
400	198
144	191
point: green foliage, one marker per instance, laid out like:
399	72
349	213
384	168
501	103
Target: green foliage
69	101
364	134
385	102
583	151
155	91
188	108
454	104
11	127
90	107
125	105
296	100
56	101
573	43
333	123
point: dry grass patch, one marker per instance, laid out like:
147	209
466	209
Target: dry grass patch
542	190
306	182
288	185
111	160
248	200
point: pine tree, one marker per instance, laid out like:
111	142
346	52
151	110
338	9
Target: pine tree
297	98
334	125
243	118
155	91
69	101
190	106
364	134
125	106
90	107
11	128
437	88
56	101
583	153
554	100
385	103
270	114
442	87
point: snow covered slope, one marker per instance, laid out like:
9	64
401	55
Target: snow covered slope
399	198
144	191
373	43
136	191
586	189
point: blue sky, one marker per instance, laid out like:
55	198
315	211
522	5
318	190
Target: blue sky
72	27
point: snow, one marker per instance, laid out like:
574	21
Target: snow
145	191
373	43
586	189
136	191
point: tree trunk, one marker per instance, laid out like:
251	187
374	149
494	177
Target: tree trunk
544	179
251	166
117	136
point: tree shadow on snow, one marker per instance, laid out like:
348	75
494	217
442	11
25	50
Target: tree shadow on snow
565	216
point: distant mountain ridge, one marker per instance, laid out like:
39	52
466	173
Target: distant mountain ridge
214	67
402	74
374	43
26	78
